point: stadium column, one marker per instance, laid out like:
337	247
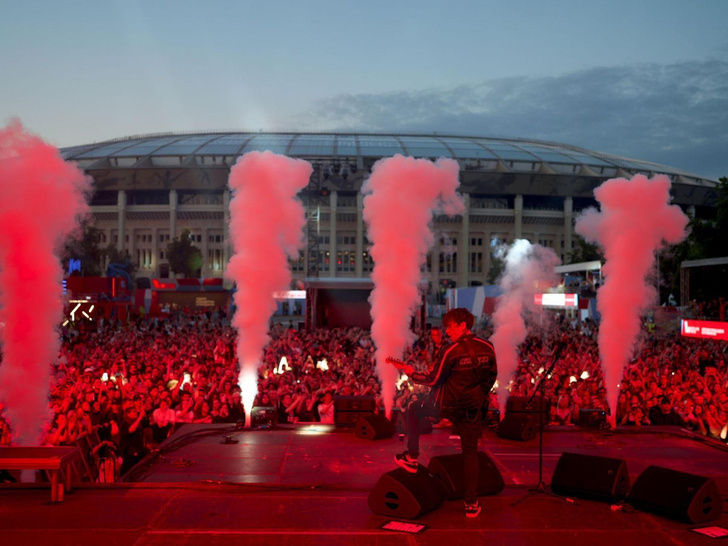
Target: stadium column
332	235
359	260
225	227
121	228
486	254
568	224
518	217
204	250
172	214
155	251
464	246
435	262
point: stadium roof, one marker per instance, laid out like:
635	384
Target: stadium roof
505	155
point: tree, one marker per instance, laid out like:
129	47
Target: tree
84	247
121	258
584	251
706	239
184	257
497	266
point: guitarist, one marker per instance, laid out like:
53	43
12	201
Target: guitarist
461	379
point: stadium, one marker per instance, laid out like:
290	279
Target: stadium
150	188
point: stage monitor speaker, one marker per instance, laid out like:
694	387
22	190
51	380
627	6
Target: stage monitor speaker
354	403
401	494
264	416
524	404
451	471
349	409
518	426
590	477
374	427
592	418
676	495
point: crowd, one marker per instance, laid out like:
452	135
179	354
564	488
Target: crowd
129	385
707	310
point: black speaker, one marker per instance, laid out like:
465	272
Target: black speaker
263	416
518	426
354	403
524	404
349	409
590	477
592	418
451	471
676	495
402	494
374	427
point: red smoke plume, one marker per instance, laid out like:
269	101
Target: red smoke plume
526	267
266	223
401	196
41	199
635	219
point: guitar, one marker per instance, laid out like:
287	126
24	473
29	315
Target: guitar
397	363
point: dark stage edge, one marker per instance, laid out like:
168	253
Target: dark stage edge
303	486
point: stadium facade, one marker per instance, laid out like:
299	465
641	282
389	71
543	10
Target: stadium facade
148	189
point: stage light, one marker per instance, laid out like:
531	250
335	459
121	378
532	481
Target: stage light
572	379
317	429
585	375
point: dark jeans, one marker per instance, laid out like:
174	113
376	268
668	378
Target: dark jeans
466	423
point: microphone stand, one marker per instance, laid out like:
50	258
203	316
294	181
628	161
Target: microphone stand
541	488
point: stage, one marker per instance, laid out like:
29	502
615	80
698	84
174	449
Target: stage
309	485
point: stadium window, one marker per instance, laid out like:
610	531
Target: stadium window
367	262
448	262
476	262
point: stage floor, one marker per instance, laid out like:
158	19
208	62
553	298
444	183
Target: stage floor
307	485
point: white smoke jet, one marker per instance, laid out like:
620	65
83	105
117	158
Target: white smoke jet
402	194
527	267
41	199
266	228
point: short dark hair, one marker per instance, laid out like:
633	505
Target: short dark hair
457	316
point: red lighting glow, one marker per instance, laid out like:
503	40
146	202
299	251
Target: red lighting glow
704	329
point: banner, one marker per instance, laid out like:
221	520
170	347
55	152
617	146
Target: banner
704	329
557	300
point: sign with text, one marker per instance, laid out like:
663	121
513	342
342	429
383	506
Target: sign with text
556	300
704	329
290	295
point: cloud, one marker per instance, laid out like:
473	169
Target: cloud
675	114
